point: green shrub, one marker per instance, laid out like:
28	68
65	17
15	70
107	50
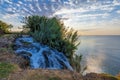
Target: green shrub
3	27
5	69
76	63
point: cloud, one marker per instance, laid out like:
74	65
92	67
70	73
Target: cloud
9	9
31	7
86	10
8	1
118	11
20	2
91	15
53	0
29	0
59	7
89	29
38	6
75	13
1	1
69	11
116	2
10	16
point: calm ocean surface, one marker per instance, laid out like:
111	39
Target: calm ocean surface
101	54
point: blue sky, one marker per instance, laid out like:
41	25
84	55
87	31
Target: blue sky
88	16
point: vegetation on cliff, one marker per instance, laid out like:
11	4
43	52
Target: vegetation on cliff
52	32
4	27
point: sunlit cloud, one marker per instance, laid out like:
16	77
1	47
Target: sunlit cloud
116	2
118	11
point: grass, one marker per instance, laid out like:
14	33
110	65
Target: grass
6	69
54	78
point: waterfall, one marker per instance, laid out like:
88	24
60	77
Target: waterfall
40	56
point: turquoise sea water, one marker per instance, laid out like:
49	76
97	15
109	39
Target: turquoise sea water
101	54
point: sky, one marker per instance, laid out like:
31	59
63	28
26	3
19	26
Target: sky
89	17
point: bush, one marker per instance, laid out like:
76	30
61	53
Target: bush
76	63
3	27
52	32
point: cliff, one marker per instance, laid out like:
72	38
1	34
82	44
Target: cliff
14	67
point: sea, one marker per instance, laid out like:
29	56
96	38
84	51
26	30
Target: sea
101	54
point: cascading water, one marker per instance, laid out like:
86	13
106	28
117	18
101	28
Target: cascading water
40	56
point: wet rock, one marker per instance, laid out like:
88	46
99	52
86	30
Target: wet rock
25	55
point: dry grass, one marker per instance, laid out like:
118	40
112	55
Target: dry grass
42	74
118	76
